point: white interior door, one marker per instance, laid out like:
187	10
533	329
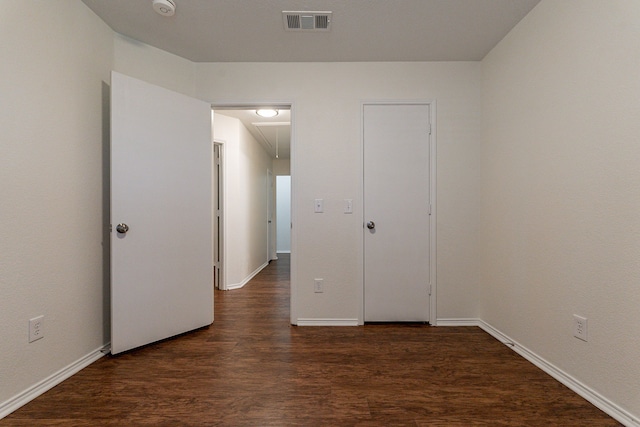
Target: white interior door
161	272
397	208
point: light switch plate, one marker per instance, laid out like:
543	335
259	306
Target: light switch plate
348	206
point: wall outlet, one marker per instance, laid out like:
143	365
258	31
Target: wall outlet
318	286
580	330
36	328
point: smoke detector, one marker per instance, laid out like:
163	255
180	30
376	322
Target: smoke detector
165	7
306	21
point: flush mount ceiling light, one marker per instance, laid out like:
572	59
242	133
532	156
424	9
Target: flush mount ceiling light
267	112
165	7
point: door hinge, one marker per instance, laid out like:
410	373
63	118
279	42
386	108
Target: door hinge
429	128
110	228
429	208
429	288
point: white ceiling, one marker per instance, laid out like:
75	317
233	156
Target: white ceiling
361	30
270	132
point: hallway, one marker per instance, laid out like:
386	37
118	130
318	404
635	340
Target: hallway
251	368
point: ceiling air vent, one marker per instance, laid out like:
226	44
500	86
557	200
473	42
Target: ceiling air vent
307	21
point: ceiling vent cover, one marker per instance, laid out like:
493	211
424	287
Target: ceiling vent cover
307	21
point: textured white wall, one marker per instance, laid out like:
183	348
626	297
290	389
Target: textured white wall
56	63
561	190
327	164
252	209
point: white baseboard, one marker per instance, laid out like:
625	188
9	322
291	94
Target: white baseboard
592	396
247	279
51	381
327	322
457	322
284	252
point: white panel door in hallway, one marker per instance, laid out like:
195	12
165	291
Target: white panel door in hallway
161	214
396	212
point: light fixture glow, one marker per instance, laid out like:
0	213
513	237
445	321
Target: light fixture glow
267	112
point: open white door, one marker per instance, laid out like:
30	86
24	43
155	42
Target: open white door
161	272
396	212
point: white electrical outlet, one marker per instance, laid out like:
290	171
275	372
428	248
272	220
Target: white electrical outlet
580	330
36	328
318	286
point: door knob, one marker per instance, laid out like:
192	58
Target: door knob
371	225
122	228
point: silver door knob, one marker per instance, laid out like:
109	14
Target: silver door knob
371	225
122	228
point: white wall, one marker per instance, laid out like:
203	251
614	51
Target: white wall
56	62
327	164
281	167
245	180
153	65
283	214
561	190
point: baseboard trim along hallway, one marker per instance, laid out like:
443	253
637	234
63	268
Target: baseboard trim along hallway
247	279
327	322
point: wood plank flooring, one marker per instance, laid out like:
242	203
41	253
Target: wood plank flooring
251	368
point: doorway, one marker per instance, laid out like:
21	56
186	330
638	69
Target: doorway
255	151
283	214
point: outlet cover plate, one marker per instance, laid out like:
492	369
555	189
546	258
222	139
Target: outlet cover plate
580	330
36	328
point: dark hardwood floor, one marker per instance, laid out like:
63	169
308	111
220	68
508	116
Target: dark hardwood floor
251	368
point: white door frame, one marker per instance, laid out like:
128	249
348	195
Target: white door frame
220	250
432	195
222	105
